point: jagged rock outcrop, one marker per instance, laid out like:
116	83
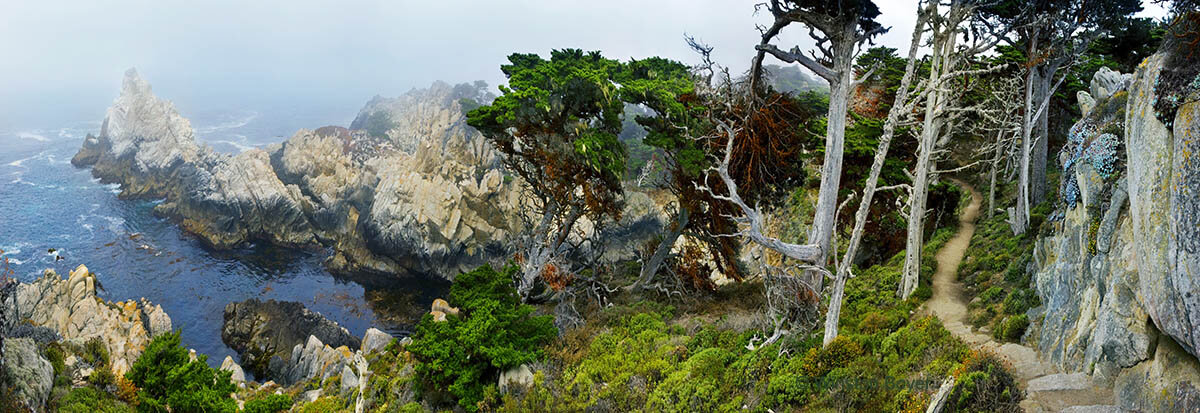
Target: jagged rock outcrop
1119	274
30	374
314	359
427	195
261	330
1107	81
71	308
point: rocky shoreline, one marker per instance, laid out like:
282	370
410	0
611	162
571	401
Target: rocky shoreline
427	195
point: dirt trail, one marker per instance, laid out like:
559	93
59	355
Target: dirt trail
1047	390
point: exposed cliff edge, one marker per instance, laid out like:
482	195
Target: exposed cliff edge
423	193
1120	272
67	311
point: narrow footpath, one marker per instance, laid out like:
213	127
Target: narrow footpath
1046	389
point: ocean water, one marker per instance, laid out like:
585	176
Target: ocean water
45	203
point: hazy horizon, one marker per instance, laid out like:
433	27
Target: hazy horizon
66	62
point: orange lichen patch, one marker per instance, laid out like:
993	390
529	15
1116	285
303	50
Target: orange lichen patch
692	268
556	278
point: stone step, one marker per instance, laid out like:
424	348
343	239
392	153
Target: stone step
1057	382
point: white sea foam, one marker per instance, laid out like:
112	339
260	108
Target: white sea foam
234	124
32	135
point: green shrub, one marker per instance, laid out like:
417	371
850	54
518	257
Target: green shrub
270	404
992	294
166	378
1016	274
695	386
986	386
465	354
1011	328
95	352
324	405
102	377
1020	301
54	353
91	400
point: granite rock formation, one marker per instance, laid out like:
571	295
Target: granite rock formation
259	330
70	307
1119	273
427	194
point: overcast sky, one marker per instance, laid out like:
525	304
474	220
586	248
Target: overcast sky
64	60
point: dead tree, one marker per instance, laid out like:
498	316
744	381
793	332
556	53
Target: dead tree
840	28
999	117
900	107
950	63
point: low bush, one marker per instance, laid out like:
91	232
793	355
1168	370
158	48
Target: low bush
1011	328
463	356
169	382
270	404
985	385
91	400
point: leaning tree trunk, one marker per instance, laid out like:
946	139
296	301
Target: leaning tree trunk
833	315
943	42
650	268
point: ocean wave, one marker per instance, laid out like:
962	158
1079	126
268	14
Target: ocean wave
32	135
14	249
234	124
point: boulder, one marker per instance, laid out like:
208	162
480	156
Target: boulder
349	380
31	375
259	330
1086	102
229	365
520	376
443	306
1106	82
375	340
313	359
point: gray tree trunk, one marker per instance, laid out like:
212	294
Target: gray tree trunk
899	106
943	43
1037	168
821	232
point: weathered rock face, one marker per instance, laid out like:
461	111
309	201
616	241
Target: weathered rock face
30	374
1119	274
71	308
311	359
1106	82
261	330
1164	199
427	196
